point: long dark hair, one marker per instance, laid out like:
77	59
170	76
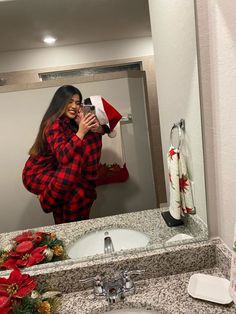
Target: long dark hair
55	110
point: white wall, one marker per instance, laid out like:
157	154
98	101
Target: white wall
75	54
217	41
174	40
138	192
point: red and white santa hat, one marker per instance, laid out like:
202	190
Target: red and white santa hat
106	113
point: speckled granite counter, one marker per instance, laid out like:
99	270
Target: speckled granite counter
148	221
166	295
163	286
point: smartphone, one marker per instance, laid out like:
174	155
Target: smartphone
88	109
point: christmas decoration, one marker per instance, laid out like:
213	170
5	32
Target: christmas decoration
18	295
32	248
105	112
114	173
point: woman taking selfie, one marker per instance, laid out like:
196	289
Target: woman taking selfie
62	167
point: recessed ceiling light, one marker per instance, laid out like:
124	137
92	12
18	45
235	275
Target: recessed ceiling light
49	40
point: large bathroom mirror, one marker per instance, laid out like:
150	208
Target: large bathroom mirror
141	56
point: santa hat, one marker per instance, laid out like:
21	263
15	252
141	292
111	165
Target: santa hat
106	114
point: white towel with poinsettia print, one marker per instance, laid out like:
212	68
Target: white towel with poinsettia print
181	199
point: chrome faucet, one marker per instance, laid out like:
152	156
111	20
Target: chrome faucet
114	290
108	244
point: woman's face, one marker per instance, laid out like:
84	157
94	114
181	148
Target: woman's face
73	107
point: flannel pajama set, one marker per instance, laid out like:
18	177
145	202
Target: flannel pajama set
65	176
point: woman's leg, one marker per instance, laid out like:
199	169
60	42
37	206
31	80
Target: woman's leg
76	211
60	186
38	183
78	205
58	215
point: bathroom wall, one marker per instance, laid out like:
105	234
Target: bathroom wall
174	40
217	43
75	54
138	192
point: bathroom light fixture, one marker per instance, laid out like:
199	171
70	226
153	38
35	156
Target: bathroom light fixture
49	40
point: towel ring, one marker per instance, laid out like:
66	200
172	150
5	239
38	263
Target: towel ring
181	127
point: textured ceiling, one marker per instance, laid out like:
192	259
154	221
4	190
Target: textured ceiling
23	23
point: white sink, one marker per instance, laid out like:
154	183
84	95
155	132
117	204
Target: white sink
93	243
131	311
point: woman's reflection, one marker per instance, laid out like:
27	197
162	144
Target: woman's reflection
63	163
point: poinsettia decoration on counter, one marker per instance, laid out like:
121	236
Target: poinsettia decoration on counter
32	248
18	295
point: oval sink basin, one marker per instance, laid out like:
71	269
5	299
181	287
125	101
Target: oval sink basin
119	239
131	311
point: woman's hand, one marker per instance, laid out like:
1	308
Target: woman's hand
97	127
86	123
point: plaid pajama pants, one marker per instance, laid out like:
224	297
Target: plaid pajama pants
62	193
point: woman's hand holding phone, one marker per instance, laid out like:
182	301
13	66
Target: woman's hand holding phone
86	123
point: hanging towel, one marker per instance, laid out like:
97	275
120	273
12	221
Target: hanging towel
181	200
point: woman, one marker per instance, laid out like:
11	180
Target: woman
63	162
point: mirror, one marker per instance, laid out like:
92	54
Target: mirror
22	105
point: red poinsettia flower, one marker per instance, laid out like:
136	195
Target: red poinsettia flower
183	183
172	152
17	285
28	259
10	263
24	247
25	259
30	236
5	305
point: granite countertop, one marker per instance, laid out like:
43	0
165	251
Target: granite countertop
166	295
162	287
148	221
168	267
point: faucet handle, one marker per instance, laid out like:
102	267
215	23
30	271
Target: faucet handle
127	281
98	284
91	279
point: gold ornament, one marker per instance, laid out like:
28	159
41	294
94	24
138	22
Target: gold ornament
58	250
44	307
53	235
